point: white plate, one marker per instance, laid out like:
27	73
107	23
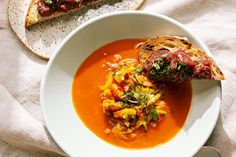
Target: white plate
60	117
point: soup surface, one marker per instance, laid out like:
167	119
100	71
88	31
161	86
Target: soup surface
88	105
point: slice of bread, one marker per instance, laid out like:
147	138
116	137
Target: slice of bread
34	17
173	43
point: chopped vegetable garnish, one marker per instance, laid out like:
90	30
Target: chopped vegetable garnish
130	100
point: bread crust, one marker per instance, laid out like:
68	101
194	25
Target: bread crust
173	43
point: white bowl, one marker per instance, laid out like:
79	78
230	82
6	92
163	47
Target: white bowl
65	125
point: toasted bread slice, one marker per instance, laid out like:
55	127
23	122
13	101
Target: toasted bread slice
34	17
173	44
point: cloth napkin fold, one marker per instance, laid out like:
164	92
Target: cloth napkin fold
22	131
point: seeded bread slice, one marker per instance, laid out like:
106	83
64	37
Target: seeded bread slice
173	43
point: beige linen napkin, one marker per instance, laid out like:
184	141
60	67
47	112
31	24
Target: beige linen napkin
22	132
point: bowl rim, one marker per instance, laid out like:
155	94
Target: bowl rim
126	12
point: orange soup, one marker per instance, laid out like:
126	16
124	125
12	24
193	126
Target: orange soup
88	104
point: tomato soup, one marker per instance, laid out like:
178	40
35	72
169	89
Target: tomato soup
87	102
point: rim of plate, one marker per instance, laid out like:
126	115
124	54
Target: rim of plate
51	60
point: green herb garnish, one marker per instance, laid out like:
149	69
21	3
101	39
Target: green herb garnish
48	1
156	65
123	103
154	114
